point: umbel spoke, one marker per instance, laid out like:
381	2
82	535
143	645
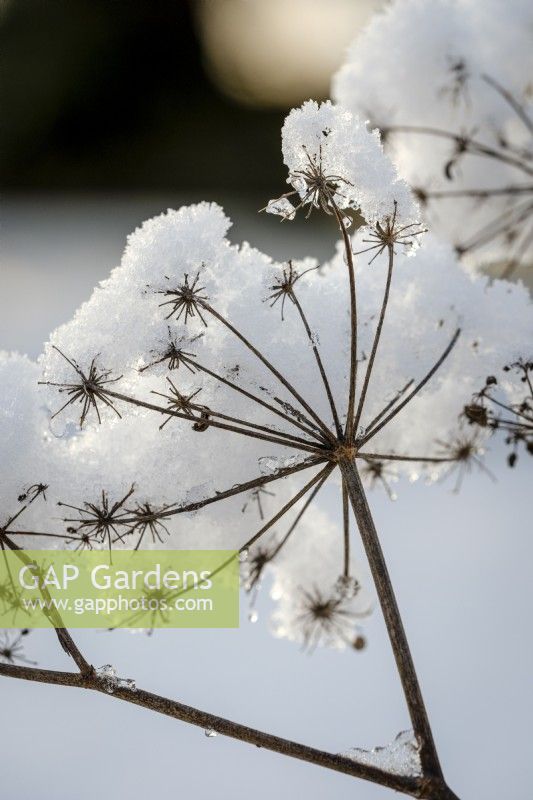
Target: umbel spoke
271	368
390	416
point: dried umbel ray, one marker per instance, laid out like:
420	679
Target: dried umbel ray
326	444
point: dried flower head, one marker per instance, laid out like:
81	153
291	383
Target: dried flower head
89	390
184	300
103	521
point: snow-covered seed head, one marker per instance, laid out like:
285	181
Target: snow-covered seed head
389	234
185	300
148	519
179	403
89	389
104	521
174	352
282	286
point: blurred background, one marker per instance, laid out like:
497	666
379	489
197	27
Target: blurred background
111	111
160	94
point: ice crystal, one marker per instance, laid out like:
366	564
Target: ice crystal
401	757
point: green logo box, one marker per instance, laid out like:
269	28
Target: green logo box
122	589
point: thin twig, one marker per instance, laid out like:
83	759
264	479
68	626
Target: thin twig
270	367
415	391
413	786
353	322
377	336
319	364
311	431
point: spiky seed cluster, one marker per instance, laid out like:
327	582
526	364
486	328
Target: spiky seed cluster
388	234
174	353
313	185
323	617
147	519
185	300
182	404
283	285
89	390
12	647
100	522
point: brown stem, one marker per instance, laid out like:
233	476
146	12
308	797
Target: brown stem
353	322
517	107
415	391
389	405
197	504
395	457
65	639
413	786
310	448
271	368
320	476
319	364
300	515
238	421
346	529
503	222
393	621
377	336
479	193
310	431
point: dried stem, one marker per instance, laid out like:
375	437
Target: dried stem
346	529
311	431
353	322
413	786
415	391
321	476
474	147
311	448
271	368
393	621
377	336
65	639
319	364
325	476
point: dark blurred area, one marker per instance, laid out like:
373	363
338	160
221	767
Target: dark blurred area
108	95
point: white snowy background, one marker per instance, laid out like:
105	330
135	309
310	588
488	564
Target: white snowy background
461	566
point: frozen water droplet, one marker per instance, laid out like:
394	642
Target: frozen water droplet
347	221
108	670
126	683
210	733
401	757
300	185
253	616
346	587
361	430
393	496
268	465
108	676
243	555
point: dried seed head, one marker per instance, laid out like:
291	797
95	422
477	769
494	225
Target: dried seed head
186	299
89	388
